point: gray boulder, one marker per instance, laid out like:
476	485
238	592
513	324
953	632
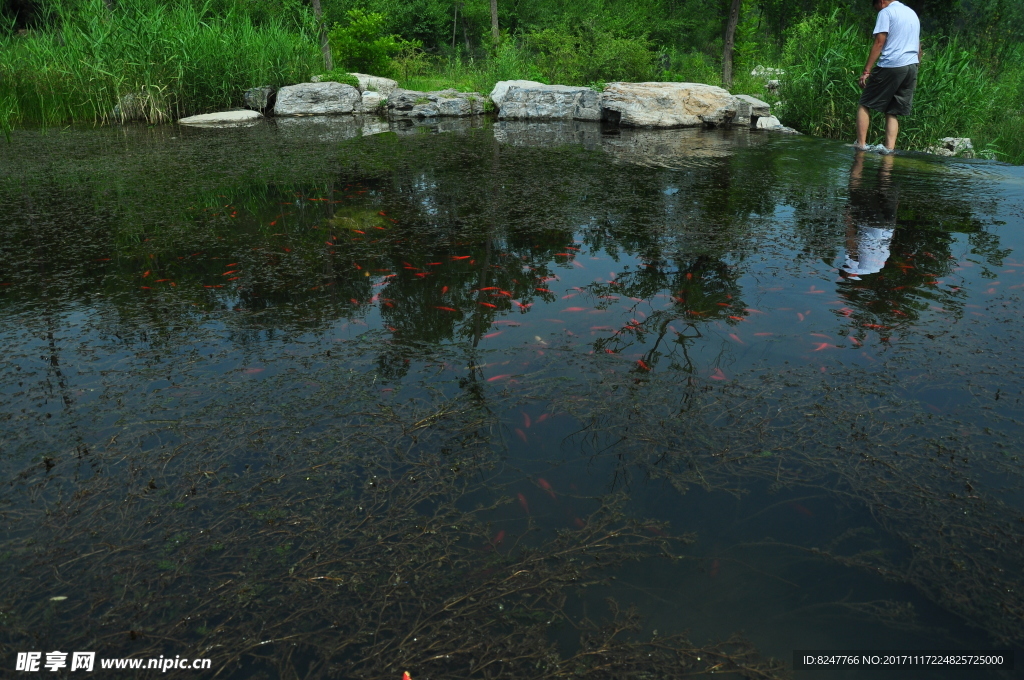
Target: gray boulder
953	146
750	108
316	99
223	119
260	98
383	86
371	102
665	105
546	102
413	104
502	86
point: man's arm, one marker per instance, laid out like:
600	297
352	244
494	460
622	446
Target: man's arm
876	51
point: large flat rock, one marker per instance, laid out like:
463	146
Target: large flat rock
667	105
443	103
316	99
501	88
550	102
223	119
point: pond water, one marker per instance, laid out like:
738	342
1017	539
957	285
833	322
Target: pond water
323	398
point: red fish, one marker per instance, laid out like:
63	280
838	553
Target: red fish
578	522
406	676
444	290
494	334
737	318
488	304
543	417
543	483
736	338
522	306
526	420
718	374
801	509
643	365
521	434
498	538
800	316
524	504
447	309
542	290
489	288
820	346
146	274
575	309
499	377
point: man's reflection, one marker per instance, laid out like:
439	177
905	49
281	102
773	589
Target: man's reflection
870	219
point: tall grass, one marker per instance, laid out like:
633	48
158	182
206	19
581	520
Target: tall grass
956	96
158	61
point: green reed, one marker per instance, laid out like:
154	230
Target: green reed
172	60
958	95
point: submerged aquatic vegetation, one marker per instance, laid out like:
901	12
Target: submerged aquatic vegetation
419	401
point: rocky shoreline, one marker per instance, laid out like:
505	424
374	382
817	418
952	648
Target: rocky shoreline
654	105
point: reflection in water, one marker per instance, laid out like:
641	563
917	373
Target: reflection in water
870	218
344	382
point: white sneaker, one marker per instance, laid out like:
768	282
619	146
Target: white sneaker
884	150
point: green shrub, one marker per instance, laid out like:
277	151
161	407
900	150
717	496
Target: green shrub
585	55
362	46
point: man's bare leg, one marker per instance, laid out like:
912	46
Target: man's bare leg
892	128
863	122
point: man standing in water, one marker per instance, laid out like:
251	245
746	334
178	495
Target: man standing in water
890	87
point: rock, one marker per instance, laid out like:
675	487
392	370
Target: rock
960	146
768	123
260	98
544	102
502	86
371	102
413	104
383	86
316	99
758	108
667	105
774	124
223	119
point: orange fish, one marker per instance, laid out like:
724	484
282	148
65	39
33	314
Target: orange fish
524	504
543	417
146	274
543	483
447	309
575	309
526	420
542	290
717	374
643	365
489	288
494	334
820	346
522	306
488	304
499	377
736	338
737	318
461	257
520	434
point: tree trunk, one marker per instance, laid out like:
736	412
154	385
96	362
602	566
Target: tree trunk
325	45
730	38
495	35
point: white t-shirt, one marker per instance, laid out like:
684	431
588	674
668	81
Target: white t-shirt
904	40
872	251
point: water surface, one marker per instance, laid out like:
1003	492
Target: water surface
284	396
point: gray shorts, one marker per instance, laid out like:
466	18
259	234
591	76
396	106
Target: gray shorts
891	90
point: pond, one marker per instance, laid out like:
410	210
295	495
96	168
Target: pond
333	398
